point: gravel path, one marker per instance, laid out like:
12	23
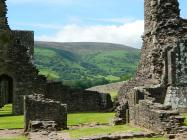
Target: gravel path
48	136
11	133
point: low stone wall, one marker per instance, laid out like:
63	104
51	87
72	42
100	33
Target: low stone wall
78	100
42	113
108	88
157	117
142	108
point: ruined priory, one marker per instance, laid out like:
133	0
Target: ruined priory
154	99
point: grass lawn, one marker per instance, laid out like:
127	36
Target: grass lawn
90	118
7	121
77	133
185	122
6	110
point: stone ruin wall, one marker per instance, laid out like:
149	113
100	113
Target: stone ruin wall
78	100
161	75
162	28
16	62
42	113
145	111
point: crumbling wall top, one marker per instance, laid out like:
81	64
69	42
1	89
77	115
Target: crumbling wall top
3	19
157	11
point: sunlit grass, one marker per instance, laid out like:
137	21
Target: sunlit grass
83	132
90	118
113	94
6	110
185	121
14	122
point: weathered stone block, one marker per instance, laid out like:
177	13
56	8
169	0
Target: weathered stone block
40	112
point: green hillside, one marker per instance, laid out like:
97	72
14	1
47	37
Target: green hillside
86	64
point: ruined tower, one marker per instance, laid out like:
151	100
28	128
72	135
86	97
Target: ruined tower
18	75
162	28
161	78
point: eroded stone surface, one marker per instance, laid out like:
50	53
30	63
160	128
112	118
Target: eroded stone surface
44	114
158	91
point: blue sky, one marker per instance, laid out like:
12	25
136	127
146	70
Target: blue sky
115	21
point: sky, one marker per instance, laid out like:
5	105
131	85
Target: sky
113	21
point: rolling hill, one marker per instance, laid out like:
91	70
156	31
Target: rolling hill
86	64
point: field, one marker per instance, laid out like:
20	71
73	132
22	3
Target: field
80	124
86	64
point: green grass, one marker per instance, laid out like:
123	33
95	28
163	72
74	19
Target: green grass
90	118
45	52
14	122
7	121
11	122
51	75
77	133
185	122
15	138
6	110
112	78
113	94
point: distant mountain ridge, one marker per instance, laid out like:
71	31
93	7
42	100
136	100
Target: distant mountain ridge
86	64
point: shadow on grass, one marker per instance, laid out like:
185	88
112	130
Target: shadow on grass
6	115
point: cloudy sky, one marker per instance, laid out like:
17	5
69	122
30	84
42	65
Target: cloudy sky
114	21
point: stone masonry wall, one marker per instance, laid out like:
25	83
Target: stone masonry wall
16	62
143	110
78	100
39	109
157	117
151	99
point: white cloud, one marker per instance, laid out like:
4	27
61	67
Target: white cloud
41	1
112	20
128	34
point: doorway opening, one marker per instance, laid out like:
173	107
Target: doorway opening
6	90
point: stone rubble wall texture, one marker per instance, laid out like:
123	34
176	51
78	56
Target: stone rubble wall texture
16	62
78	100
42	113
161	78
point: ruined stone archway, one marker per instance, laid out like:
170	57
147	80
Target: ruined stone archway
6	90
